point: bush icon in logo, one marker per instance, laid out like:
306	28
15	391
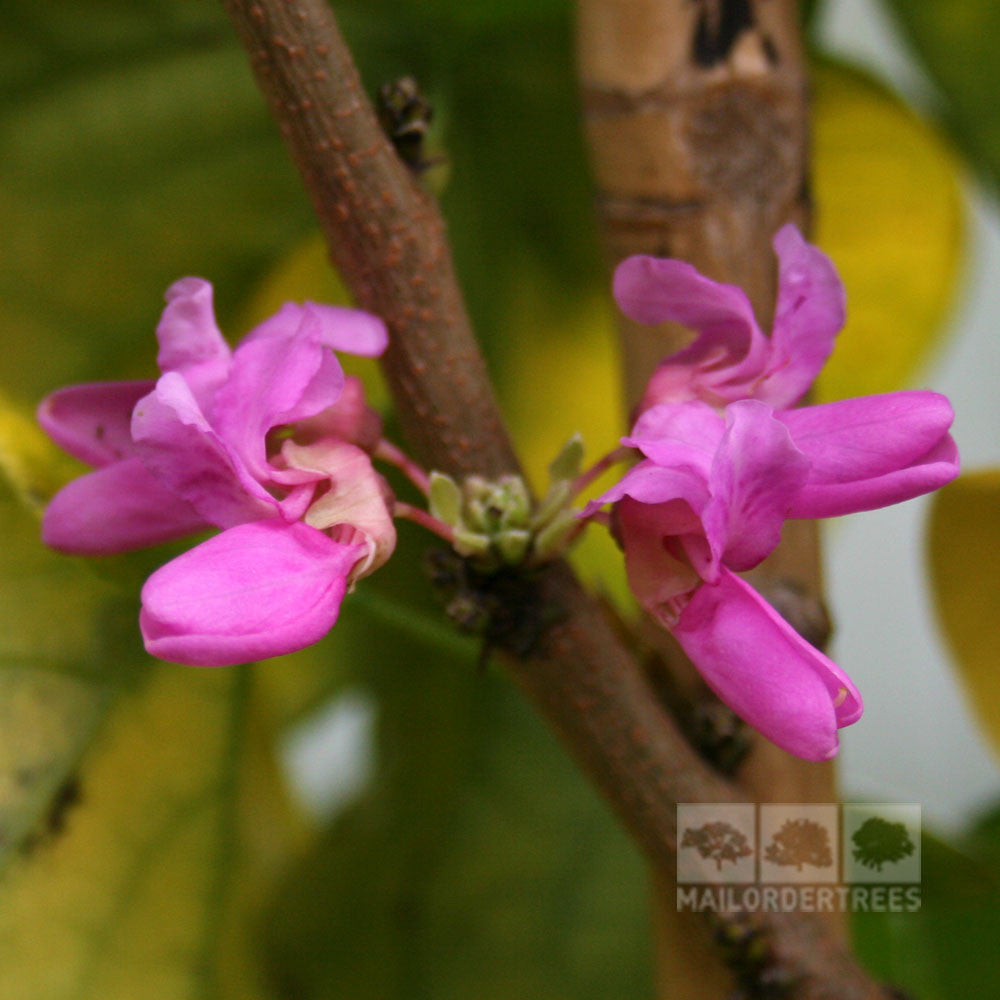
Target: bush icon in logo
800	842
717	841
877	842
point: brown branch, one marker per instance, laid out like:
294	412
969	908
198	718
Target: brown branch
387	240
698	134
696	116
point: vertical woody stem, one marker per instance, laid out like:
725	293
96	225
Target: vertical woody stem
696	118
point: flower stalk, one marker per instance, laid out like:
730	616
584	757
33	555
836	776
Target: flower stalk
426	520
395	456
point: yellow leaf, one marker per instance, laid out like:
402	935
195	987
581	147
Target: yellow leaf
29	462
146	886
890	214
55	623
965	575
141	818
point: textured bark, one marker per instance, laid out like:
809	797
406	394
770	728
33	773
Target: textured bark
698	146
696	119
388	242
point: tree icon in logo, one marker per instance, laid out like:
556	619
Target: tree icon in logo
717	841
800	842
878	841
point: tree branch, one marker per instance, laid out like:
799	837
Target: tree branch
387	240
696	118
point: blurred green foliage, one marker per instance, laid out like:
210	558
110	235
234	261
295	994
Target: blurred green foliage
956	45
948	947
478	863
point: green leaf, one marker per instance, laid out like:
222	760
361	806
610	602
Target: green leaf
136	151
566	465
890	214
140	819
445	499
956	44
479	863
946	948
964	540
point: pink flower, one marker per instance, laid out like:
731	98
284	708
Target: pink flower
262	442
710	496
709	500
730	358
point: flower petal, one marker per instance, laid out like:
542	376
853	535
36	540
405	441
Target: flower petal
179	447
808	316
756	475
872	451
869	436
657	571
353	331
93	421
357	497
190	341
349	419
930	472
254	591
729	352
274	381
660	289
649	483
678	435
118	508
764	670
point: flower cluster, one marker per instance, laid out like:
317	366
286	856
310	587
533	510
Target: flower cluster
272	443
268	442
724	462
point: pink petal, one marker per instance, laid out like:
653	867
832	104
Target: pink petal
190	341
353	331
808	316
872	451
660	289
930	472
93	421
649	483
658	572
179	447
869	436
357	497
764	670
678	435
340	328
255	591
756	475
349	419
274	381
118	508
729	352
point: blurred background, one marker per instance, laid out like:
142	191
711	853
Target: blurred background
374	817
